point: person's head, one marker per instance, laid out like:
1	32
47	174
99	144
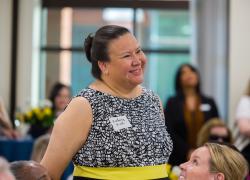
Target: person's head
214	162
40	147
31	170
214	130
187	76
5	173
60	96
115	53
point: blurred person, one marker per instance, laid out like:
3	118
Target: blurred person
59	96
214	130
6	127
186	112
5	173
214	161
119	129
243	123
29	170
40	147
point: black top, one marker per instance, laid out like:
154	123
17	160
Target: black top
174	115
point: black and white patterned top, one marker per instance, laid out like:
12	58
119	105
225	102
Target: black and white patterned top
124	132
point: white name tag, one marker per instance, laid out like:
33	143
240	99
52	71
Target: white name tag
120	122
205	107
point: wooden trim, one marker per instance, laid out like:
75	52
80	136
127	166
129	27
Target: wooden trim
149	4
14	42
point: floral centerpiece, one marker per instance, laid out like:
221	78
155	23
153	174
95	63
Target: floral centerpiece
39	115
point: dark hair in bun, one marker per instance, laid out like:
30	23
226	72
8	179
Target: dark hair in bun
96	47
87	46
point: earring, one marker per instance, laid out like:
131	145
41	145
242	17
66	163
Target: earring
106	72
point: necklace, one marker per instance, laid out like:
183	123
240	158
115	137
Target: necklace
116	91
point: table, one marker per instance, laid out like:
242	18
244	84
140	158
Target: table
16	150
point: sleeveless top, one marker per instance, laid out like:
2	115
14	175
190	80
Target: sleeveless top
124	132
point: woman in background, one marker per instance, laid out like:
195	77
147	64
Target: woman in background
214	130
40	147
243	123
186	112
59	96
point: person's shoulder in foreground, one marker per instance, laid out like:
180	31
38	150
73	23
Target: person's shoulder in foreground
29	170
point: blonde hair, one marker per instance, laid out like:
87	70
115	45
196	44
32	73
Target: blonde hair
204	132
227	160
40	147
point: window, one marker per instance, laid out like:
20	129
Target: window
162	28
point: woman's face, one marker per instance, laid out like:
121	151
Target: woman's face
189	78
127	61
197	168
219	133
62	99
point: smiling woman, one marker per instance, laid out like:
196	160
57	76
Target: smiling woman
119	128
215	161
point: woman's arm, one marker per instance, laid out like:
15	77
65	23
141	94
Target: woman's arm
69	134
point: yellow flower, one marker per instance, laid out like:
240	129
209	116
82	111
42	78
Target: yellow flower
47	111
29	115
38	113
43	116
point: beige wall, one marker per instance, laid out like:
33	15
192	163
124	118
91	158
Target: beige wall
5	48
239	52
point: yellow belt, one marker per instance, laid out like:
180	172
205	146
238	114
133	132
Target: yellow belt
122	173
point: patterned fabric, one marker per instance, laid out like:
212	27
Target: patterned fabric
146	142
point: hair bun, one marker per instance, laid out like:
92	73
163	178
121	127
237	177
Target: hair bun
87	46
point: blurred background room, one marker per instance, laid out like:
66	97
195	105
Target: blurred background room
41	44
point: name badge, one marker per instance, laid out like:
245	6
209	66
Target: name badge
120	122
205	107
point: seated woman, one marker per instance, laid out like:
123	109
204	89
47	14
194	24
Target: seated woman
59	96
6	128
40	147
215	161
214	130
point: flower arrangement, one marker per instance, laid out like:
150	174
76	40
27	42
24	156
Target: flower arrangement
40	115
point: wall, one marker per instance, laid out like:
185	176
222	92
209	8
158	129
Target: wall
5	49
239	52
211	32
